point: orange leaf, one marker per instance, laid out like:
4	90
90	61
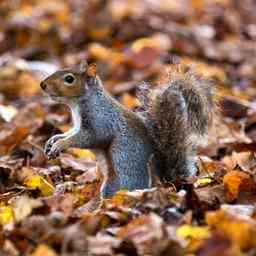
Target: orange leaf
242	231
129	101
10	138
235	181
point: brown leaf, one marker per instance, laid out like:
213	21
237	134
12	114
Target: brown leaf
144	58
62	202
147	233
77	164
101	244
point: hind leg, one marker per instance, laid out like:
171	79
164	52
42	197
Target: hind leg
109	187
111	182
130	162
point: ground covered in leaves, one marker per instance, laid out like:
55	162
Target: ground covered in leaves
47	208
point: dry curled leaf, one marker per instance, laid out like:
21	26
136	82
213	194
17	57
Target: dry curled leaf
237	181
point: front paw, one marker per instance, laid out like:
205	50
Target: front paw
56	148
50	142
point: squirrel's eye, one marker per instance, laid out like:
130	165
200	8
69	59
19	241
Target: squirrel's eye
69	79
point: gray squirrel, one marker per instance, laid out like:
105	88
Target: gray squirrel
159	140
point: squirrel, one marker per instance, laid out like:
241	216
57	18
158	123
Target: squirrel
161	138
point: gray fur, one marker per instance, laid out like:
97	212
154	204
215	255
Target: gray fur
106	124
177	117
165	135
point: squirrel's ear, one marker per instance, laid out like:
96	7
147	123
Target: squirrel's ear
82	66
91	70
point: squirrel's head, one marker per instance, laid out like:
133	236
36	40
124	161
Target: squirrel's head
69	83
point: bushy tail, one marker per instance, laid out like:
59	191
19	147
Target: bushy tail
178	115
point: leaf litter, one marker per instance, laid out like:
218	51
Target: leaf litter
53	207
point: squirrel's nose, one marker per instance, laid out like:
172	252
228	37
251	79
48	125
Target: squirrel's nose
43	85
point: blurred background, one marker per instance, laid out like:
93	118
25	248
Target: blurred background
134	40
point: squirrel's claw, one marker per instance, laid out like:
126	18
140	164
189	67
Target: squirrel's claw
51	151
49	144
54	146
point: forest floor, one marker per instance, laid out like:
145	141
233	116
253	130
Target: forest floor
46	206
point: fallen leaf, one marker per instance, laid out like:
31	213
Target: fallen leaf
187	232
65	203
83	153
8	112
77	164
102	244
193	235
11	137
218	244
38	182
44	250
16	82
121	198
23	206
129	101
145	231
245	160
6	215
158	41
242	232
145	57
204	181
236	181
241	211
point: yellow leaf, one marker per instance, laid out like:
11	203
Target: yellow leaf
83	153
121	198
141	43
99	52
6	215
44	25
187	231
38	182
205	69
202	182
43	250
157	41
